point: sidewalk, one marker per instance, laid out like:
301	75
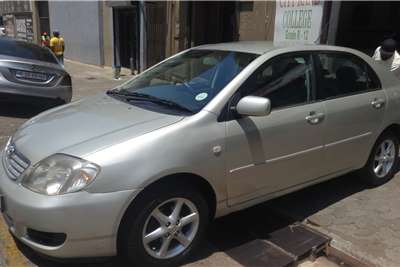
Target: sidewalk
89	79
363	223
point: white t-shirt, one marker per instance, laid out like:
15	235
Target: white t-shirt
392	63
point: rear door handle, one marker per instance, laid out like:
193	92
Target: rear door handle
378	103
315	118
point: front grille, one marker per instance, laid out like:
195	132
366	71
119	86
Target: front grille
14	162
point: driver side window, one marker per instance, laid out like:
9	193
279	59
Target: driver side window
285	80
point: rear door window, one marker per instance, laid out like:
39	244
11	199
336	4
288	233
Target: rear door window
342	74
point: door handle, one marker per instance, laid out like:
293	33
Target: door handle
315	118
378	103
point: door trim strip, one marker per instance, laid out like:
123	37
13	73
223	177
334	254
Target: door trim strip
277	158
301	152
348	139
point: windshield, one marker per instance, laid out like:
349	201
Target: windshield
189	80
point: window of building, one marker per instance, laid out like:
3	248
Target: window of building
285	80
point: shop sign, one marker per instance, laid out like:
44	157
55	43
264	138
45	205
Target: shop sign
21	28
298	22
24	27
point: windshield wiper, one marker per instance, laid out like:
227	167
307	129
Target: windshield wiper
134	96
117	92
153	99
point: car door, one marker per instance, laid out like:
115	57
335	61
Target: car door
355	106
281	150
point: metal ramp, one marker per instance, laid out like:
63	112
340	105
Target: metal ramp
283	247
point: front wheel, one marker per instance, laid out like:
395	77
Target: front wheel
383	161
164	228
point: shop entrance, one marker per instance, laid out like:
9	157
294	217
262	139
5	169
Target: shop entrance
212	22
364	25
126	41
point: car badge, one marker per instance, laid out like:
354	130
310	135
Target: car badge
10	150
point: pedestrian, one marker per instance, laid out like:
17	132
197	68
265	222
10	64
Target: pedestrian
57	46
45	39
387	55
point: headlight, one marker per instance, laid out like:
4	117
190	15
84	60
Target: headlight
59	174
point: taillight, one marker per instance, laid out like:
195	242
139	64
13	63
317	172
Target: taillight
66	80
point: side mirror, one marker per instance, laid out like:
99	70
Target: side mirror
253	106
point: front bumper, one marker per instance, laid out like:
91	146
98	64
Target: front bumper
89	220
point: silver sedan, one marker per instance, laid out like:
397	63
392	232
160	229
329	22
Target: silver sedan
31	72
143	168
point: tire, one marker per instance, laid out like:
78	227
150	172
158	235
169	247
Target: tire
369	174
140	220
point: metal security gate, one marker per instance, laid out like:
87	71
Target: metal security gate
156	18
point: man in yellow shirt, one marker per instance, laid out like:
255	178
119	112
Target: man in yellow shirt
57	46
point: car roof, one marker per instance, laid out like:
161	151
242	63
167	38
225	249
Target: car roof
255	47
262	47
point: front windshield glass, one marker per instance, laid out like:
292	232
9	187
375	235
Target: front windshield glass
190	80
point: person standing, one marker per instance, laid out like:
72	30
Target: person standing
57	46
387	55
45	39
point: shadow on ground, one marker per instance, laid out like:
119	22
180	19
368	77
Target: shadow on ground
245	226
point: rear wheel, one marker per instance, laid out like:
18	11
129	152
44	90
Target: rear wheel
383	161
164	228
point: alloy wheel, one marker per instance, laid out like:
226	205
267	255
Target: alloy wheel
384	158
170	228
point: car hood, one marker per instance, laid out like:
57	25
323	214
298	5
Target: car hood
59	129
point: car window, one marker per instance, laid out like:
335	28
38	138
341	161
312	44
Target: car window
26	50
373	80
343	74
285	80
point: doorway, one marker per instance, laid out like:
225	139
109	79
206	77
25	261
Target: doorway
213	22
364	25
126	41
44	18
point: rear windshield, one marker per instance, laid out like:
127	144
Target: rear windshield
25	50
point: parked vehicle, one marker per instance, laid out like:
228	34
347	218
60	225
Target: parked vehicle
143	168
32	72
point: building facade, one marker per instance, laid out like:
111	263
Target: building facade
17	18
138	34
80	23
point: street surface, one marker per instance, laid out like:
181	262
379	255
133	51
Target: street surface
364	223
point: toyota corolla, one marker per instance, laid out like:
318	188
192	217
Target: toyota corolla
141	169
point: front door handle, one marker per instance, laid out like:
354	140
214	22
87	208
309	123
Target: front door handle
315	118
378	103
